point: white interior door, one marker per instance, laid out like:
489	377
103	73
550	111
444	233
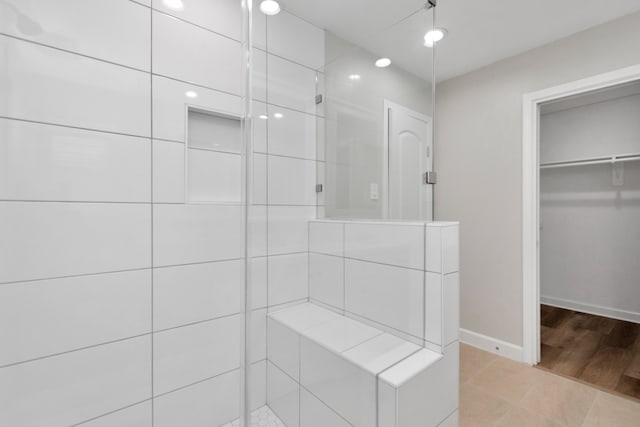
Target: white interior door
409	156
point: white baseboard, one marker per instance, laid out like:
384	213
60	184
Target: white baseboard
492	345
598	310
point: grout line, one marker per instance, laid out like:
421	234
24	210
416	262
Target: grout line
111	412
92	202
198	322
75	350
152	254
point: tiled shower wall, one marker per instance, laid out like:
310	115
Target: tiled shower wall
119	303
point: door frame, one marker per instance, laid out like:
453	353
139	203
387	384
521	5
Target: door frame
385	147
531	194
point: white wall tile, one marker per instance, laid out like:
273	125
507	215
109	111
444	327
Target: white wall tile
442	253
43	84
288	278
259	282
213	176
84	27
394	244
292	133
209	403
46	240
195	233
326	238
283	348
221	16
289	229
433	308
45	162
168	172
214	132
314	413
258	230
259	76
291	85
303	316
260	123
192	293
341	334
347	389
296	39
195	55
54	316
291	181
188	354
389	295
76	386
258	349
283	396
381	352
260	179
451	306
258	392
134	416
170	105
326	279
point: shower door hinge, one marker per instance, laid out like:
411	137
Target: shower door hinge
430	177
319	188
319	99
430	3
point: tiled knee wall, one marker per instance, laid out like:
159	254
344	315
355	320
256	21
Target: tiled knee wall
400	277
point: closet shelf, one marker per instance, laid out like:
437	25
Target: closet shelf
592	161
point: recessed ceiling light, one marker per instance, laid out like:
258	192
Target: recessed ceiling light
354	77
270	7
174	4
278	115
263	117
383	62
191	94
434	36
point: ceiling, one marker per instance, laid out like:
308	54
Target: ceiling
479	32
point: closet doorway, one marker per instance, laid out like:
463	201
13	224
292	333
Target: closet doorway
582	298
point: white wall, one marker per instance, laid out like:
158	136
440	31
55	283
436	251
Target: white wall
590	229
478	159
114	293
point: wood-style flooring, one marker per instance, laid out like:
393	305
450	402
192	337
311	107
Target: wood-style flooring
597	350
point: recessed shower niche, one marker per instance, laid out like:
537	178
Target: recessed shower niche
212	157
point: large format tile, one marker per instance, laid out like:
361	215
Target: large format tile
326	237
291	85
348	389
222	16
84	27
213	176
478	408
188	354
283	348
289	228
195	55
314	413
341	334
442	253
208	403
377	354
291	181
610	410
306	48
53	316
76	386
193	293
292	133
401	245
389	295
288	278
283	396
170	104
46	240
134	416
326	279
195	233
58	163
47	85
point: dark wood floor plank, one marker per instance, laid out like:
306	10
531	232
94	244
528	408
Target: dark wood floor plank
574	359
554	316
606	367
629	386
549	355
623	335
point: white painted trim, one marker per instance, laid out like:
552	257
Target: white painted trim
598	310
530	194
385	148
492	345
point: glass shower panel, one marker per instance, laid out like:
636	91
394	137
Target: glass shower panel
376	133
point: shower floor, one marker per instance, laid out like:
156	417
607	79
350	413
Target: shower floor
261	417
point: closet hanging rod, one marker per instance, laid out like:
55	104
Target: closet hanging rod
592	161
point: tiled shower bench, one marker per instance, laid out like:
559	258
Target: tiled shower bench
377	343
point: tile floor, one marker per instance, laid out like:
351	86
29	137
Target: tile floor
495	391
261	417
